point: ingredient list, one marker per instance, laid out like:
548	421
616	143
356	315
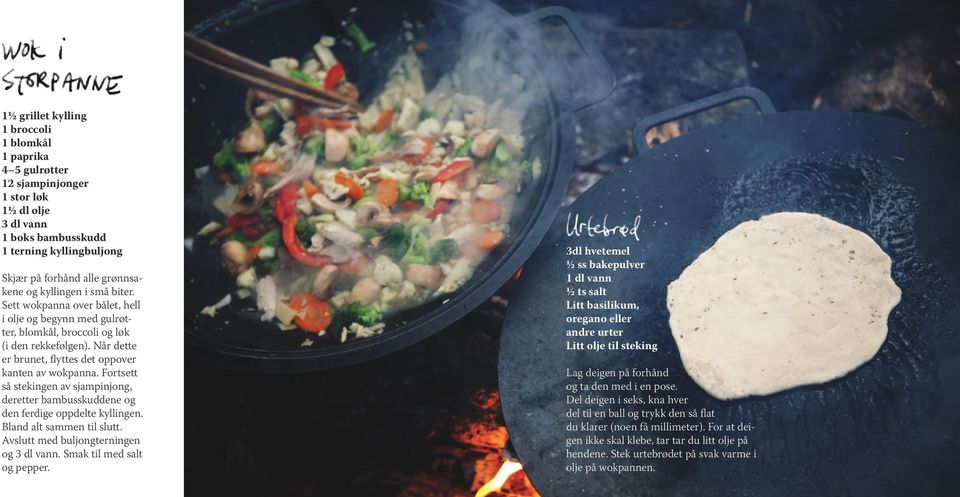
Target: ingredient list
629	419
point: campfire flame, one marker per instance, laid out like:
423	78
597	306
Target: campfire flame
496	483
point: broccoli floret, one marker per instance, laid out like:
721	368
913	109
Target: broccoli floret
357	161
271	127
356	312
421	193
229	162
443	250
363	149
305	231
266	210
314	145
418	251
266	266
395	241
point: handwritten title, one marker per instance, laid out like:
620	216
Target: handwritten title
52	81
590	228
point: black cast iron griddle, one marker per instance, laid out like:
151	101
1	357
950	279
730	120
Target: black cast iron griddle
889	428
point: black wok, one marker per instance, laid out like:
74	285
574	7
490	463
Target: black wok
263	30
889	428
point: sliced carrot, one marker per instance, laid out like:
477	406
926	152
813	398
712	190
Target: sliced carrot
421	47
253	253
313	314
266	168
309	188
354	266
354	190
485	211
384	121
387	192
490	239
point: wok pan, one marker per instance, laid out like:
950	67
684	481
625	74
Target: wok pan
263	30
889	428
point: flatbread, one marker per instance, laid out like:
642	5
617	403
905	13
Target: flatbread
788	300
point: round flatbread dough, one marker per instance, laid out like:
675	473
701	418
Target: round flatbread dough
788	300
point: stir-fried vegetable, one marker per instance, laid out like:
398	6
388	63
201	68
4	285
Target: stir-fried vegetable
302	76
231	163
313	315
356	312
314	145
266	168
452	169
334	224
295	247
334	76
387	192
357	34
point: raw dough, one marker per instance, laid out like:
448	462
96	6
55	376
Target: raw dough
790	299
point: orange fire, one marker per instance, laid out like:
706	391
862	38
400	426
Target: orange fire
496	483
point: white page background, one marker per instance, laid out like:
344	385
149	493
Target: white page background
131	149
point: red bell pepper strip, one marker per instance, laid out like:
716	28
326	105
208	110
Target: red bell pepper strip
240	220
334	75
439	208
295	248
308	124
286	204
452	169
252	232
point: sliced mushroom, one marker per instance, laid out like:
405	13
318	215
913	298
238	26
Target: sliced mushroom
424	275
375	215
336	145
250	140
484	143
249	197
234	256
489	191
365	291
324	280
324	204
